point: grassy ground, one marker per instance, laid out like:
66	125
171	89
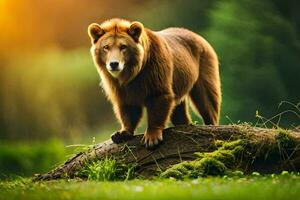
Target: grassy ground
254	187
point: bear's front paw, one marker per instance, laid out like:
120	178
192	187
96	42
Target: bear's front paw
152	139
121	136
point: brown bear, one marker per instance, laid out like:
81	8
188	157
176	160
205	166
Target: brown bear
156	70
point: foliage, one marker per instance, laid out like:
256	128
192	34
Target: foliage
259	70
52	92
107	169
27	159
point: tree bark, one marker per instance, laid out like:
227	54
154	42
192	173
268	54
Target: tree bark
180	144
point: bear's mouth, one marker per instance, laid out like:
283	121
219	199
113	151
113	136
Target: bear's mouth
115	73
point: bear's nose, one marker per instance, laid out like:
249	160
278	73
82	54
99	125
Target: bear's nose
114	65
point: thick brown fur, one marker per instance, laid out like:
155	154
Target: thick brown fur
162	69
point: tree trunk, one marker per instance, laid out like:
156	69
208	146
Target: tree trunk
269	154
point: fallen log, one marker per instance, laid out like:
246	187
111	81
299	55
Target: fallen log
270	150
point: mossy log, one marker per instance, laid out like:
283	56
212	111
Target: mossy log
269	150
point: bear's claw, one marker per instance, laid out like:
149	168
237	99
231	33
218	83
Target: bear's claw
121	136
152	141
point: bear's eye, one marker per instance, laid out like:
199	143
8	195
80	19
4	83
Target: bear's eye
123	47
106	48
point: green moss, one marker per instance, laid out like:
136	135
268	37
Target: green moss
284	139
188	165
210	166
216	163
224	156
219	143
232	145
179	171
174	173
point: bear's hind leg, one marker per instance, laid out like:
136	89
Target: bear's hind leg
207	101
180	114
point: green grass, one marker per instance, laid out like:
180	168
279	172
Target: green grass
106	170
284	186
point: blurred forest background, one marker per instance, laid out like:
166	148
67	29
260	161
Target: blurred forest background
50	88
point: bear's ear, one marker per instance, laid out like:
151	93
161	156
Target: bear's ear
135	30
95	32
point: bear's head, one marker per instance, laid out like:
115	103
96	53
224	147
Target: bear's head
118	48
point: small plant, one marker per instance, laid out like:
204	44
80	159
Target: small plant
275	120
107	169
